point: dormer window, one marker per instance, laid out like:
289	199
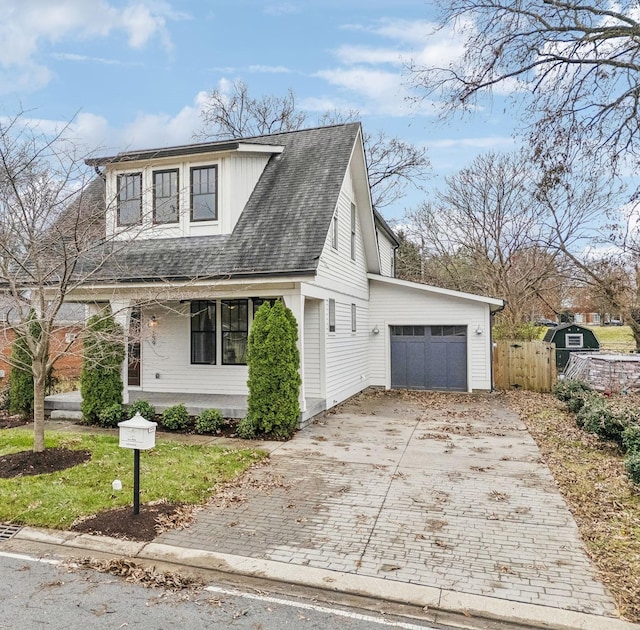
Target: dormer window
130	199
165	196
204	193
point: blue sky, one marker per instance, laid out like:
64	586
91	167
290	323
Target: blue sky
134	73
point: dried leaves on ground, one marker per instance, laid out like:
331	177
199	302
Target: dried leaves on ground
592	479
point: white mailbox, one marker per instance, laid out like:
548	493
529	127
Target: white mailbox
138	433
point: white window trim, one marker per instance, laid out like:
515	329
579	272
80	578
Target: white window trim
577	337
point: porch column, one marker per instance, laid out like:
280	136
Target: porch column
296	304
121	309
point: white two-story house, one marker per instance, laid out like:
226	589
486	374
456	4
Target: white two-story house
203	234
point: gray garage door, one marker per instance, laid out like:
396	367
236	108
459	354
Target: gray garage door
429	357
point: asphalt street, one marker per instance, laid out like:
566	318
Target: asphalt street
40	593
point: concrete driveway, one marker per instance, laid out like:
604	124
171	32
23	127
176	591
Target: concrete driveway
440	490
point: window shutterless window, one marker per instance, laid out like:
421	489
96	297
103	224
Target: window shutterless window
204	193
353	231
203	332
258	302
165	196
353	317
334	231
332	315
129	199
235	331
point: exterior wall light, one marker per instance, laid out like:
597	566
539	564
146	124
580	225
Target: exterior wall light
153	324
375	330
479	330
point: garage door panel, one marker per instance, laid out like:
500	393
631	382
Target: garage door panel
424	357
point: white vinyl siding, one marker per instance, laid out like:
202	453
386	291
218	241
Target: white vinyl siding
386	248
312	349
347	355
393	305
170	359
237	176
336	270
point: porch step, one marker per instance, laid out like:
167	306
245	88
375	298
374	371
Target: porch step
66	414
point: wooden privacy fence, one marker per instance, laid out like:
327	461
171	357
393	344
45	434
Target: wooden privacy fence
527	365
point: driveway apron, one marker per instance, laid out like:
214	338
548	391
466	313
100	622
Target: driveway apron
441	490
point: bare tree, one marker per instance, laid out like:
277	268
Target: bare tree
236	114
493	231
393	164
578	60
50	220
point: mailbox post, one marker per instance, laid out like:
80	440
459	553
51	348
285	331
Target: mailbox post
138	434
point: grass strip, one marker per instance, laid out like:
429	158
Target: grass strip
172	472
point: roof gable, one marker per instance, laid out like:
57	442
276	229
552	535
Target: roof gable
284	224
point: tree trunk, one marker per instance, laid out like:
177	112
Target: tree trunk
39	381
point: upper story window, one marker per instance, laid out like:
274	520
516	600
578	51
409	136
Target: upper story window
204	193
130	199
334	231
165	196
353	231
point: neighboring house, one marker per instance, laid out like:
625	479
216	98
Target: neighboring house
205	233
66	341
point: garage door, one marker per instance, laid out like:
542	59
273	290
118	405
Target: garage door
429	357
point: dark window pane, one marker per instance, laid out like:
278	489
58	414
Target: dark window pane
203	332
129	199
235	329
204	194
165	197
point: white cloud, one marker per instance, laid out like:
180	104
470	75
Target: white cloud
87	59
27	26
281	8
380	92
270	69
484	143
362	54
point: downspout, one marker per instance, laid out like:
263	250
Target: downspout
491	316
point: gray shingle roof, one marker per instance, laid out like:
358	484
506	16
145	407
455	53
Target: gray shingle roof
282	229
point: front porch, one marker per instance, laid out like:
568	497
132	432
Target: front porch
68	405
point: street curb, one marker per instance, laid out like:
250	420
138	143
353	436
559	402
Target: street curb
432	598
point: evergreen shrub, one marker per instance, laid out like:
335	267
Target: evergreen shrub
175	418
209	421
143	407
632	466
110	416
274	378
100	380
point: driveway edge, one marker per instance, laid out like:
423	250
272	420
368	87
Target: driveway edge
430	598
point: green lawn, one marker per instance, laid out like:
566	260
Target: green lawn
611	338
614	338
174	472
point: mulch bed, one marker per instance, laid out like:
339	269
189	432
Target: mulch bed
11	422
143	527
26	463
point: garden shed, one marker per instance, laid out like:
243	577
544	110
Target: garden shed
571	338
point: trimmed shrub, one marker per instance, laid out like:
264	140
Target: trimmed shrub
175	418
143	407
632	466
247	429
21	379
631	438
209	421
100	380
576	402
597	417
274	378
565	390
111	415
